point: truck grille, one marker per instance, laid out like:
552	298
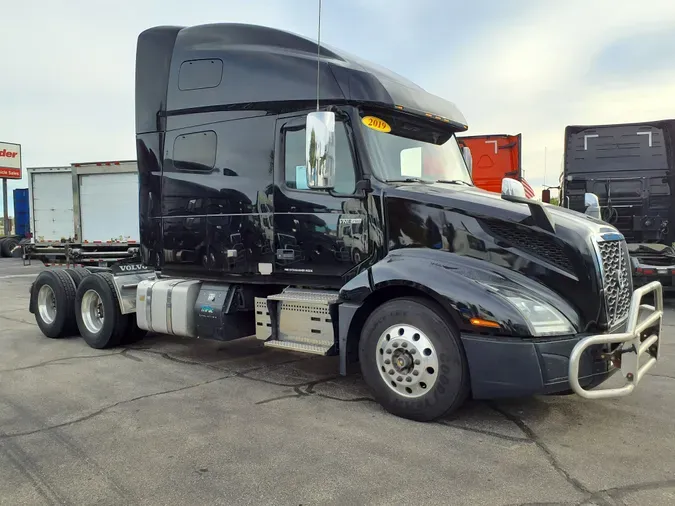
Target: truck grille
616	278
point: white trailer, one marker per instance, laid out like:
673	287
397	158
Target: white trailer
50	192
106	202
84	214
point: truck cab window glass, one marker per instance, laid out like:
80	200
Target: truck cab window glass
195	151
401	150
294	160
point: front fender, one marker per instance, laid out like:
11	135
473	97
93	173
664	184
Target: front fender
461	284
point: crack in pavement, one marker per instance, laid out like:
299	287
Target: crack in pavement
281	397
18	321
302	390
618	493
110	406
4	436
607	496
550	456
505	437
56	360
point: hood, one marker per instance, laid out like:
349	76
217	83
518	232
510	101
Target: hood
471	222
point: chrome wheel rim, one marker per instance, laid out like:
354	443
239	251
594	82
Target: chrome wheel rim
407	361
92	311
47	304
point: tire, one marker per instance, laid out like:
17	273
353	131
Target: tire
2	242
97	311
134	333
55	304
77	274
441	384
8	246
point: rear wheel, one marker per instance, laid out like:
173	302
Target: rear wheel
54	303
8	246
412	360
77	274
97	310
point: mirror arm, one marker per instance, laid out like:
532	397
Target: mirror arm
539	213
363	188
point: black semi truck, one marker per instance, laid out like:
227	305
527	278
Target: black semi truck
630	167
320	202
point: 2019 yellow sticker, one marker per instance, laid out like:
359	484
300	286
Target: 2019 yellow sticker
376	124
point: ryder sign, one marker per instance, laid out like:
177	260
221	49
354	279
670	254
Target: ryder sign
10	161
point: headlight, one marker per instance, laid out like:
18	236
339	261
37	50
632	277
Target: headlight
542	318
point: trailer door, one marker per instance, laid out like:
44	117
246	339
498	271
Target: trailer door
109	207
494	158
52	195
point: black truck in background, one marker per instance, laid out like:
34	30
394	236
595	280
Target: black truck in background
631	169
321	203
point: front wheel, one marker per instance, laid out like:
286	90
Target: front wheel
412	360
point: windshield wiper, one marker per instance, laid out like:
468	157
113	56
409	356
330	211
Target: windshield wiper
454	181
409	180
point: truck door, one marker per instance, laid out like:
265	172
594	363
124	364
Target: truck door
316	233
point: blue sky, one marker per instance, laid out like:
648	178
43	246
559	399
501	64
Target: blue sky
519	66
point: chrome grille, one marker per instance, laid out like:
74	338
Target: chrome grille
616	277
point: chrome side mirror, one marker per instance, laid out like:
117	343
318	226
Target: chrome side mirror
513	187
320	150
592	205
466	153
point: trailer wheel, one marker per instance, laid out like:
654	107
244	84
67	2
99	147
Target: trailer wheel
97	310
77	274
55	303
2	243
8	246
413	360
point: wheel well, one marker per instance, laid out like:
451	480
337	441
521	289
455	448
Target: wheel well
381	296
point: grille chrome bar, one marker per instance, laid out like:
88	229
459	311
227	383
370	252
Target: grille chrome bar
617	282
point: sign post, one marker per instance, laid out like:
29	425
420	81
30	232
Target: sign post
10	168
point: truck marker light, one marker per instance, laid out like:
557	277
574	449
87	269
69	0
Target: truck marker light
376	124
479	322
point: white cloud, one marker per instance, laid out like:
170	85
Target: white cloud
529	77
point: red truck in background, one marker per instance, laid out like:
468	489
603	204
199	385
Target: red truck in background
495	157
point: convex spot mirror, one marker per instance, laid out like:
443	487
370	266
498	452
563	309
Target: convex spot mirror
513	187
320	150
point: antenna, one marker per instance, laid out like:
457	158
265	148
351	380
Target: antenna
318	58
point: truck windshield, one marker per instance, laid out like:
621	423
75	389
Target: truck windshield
404	150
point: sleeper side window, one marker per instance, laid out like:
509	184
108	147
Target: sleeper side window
294	160
195	151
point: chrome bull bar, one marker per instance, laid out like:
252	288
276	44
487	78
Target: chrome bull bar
634	345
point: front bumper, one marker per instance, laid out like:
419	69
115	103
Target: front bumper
513	367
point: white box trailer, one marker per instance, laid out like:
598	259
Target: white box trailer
50	192
106	202
84	214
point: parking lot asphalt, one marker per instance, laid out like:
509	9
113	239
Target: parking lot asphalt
179	421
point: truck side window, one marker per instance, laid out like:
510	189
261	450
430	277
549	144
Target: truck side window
294	158
195	151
